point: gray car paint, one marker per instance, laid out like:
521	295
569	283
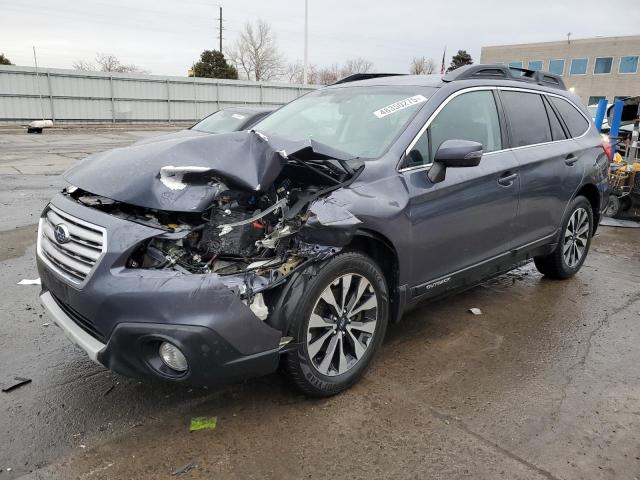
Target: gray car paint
463	229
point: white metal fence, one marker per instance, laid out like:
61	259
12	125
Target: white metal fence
74	96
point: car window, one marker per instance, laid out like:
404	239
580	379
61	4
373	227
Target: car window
360	121
222	121
470	116
527	118
573	119
557	133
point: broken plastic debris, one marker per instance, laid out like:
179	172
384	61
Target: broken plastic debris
475	311
17	383
203	423
185	468
26	281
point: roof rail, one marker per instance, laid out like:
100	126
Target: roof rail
498	71
365	76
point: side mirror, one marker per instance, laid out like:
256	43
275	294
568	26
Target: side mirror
454	153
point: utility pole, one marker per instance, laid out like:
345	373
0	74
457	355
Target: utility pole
569	37
220	28
306	42
35	61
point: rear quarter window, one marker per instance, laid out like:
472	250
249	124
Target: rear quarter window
573	119
527	118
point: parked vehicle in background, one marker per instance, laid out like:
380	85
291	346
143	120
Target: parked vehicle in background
231	119
219	257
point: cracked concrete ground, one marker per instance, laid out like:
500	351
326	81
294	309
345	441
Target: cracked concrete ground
544	385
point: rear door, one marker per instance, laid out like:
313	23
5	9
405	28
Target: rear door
549	167
467	218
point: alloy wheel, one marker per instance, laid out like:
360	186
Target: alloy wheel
576	237
342	324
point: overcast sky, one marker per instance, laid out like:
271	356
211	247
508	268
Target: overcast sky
165	36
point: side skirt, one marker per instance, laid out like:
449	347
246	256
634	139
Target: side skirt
471	276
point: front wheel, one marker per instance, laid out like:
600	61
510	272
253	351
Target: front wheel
573	246
339	324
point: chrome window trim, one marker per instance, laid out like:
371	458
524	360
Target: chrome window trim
52	267
490	87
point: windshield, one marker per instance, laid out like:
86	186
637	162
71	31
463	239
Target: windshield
360	121
223	121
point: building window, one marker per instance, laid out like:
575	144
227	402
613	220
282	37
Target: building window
628	64
579	66
594	99
615	99
602	65
535	65
515	64
556	66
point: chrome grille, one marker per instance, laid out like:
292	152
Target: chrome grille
83	245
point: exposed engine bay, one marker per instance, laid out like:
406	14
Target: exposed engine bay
248	234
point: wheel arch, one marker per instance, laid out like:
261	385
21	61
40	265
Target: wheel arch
383	252
591	193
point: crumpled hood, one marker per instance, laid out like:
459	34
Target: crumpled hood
179	174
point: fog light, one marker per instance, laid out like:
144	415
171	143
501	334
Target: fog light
173	357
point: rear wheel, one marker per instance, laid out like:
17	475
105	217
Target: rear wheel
614	207
340	322
574	243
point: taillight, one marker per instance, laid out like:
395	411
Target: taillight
606	146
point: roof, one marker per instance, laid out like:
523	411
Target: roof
470	75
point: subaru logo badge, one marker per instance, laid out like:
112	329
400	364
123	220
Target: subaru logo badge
61	233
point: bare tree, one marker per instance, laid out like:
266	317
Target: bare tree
256	54
355	65
329	75
294	73
106	62
422	66
84	66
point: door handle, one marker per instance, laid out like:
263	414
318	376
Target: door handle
507	178
570	160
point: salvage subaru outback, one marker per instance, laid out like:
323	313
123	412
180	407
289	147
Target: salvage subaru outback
217	258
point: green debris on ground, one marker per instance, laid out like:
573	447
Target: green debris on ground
203	423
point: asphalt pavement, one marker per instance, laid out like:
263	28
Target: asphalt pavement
544	384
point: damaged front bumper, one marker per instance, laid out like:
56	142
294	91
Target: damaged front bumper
120	316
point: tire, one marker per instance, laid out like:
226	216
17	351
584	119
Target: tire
614	207
328	359
573	243
625	203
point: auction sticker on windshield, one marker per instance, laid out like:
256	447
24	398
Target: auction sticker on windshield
399	105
